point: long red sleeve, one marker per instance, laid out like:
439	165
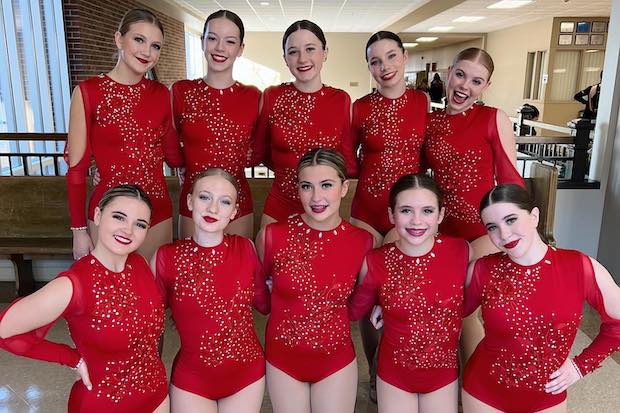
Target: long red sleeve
505	171
171	141
348	143
473	293
608	339
364	296
262	297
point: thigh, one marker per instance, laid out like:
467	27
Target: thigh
558	408
370	339
378	238
483	246
287	394
473	405
472	332
157	236
391	399
243	226
337	392
183	401
391	236
164	407
247	400
266	220
186	227
445	399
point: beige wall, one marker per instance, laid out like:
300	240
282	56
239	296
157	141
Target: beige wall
443	56
345	66
509	50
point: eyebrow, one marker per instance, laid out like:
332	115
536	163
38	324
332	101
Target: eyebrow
119	212
509	216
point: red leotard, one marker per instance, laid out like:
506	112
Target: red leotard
391	134
531	315
308	335
467	158
290	124
129	132
115	320
210	292
422	301
215	127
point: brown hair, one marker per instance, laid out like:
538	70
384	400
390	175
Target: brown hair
130	191
304	25
508	193
136	16
216	172
475	54
383	35
229	15
327	157
415	181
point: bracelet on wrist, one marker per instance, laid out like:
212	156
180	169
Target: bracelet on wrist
79	363
576	368
74	229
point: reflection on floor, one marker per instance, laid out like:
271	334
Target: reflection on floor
28	386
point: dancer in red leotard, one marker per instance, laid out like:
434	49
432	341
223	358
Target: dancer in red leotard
299	116
114	312
470	147
532	297
419	282
313	259
215	118
124	121
389	124
210	283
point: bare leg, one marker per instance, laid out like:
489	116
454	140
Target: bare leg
473	332
184	401
376	235
157	236
186	227
335	393
243	226
246	400
266	220
370	341
391	236
443	400
391	399
164	407
287	394
558	408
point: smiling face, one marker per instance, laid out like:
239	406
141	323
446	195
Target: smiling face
320	193
416	217
511	229
139	48
122	225
466	82
221	44
213	203
386	62
304	56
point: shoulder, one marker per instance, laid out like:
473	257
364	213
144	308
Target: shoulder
453	242
184	84
364	100
416	94
487	111
93	81
335	93
156	87
137	261
357	232
238	242
249	90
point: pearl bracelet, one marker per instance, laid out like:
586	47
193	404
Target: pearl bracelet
78	228
576	368
79	363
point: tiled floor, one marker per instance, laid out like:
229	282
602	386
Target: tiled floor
28	386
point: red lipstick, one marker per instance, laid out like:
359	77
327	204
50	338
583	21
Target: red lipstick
210	220
511	244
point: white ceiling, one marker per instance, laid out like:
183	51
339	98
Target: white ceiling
372	15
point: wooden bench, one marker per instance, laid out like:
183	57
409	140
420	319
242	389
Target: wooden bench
34	218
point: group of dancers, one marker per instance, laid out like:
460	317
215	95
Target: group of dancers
424	252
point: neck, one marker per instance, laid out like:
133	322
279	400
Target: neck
207	239
415	250
534	254
330	223
219	80
395	91
111	261
310	86
122	74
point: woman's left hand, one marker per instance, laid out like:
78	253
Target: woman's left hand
563	377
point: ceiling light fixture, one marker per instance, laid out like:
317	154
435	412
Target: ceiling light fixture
468	19
509	4
441	29
409	45
264	3
426	39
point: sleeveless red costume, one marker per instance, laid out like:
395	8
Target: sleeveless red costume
467	158
215	127
391	134
531	315
291	123
308	335
210	292
129	133
422	302
115	320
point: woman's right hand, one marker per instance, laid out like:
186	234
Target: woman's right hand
82	244
82	374
376	317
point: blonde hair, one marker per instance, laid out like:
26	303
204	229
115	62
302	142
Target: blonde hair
327	157
475	54
216	172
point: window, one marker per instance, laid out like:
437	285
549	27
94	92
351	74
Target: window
34	86
565	72
536	67
194	58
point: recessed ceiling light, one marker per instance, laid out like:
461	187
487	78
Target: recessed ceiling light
468	19
441	29
592	51
409	45
509	4
426	39
264	3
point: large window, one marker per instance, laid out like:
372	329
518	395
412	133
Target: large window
534	72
